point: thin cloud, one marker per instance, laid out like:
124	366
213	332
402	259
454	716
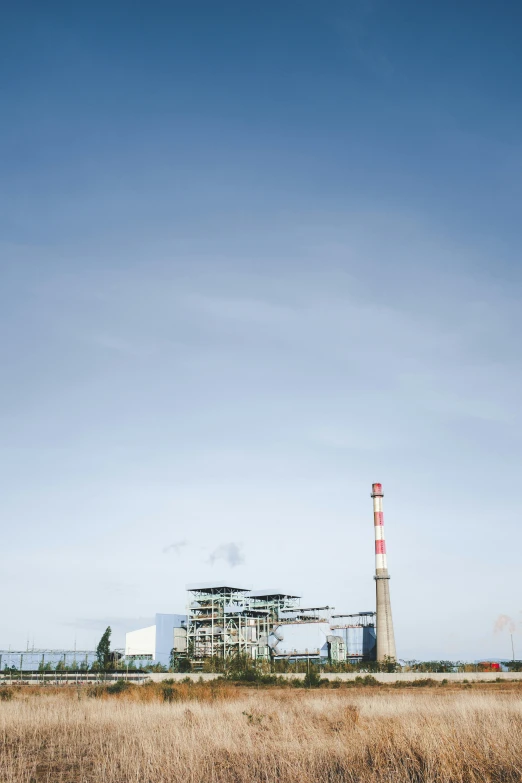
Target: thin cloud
231	553
177	546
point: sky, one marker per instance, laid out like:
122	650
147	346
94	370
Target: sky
255	257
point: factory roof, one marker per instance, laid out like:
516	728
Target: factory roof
356	614
216	587
272	593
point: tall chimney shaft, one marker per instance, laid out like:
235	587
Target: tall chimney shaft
385	635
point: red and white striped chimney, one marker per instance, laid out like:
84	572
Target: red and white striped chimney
384	622
378	521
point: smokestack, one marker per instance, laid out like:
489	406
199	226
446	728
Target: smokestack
385	635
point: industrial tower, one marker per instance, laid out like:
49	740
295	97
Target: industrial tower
384	623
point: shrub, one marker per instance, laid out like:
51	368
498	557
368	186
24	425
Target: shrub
119	686
368	680
96	691
427	682
169	693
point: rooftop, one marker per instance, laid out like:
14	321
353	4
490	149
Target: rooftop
271	593
216	587
356	614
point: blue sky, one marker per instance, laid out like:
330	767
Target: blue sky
255	257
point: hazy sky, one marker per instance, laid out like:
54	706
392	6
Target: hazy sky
254	257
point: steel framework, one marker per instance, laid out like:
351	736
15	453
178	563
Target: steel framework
225	621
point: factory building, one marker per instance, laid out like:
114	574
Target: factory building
155	643
225	620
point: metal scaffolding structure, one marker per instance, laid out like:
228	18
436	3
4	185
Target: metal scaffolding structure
358	631
362	620
225	621
309	614
43	659
274	602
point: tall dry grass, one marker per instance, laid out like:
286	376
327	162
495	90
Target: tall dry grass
269	736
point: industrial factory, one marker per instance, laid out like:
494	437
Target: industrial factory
227	619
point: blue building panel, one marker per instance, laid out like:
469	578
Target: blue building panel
165	624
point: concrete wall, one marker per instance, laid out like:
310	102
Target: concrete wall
384	678
65	678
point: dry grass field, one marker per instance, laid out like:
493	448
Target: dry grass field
247	735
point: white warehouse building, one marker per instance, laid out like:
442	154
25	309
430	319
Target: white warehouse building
155	642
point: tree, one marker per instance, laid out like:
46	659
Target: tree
312	678
103	650
389	664
178	664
